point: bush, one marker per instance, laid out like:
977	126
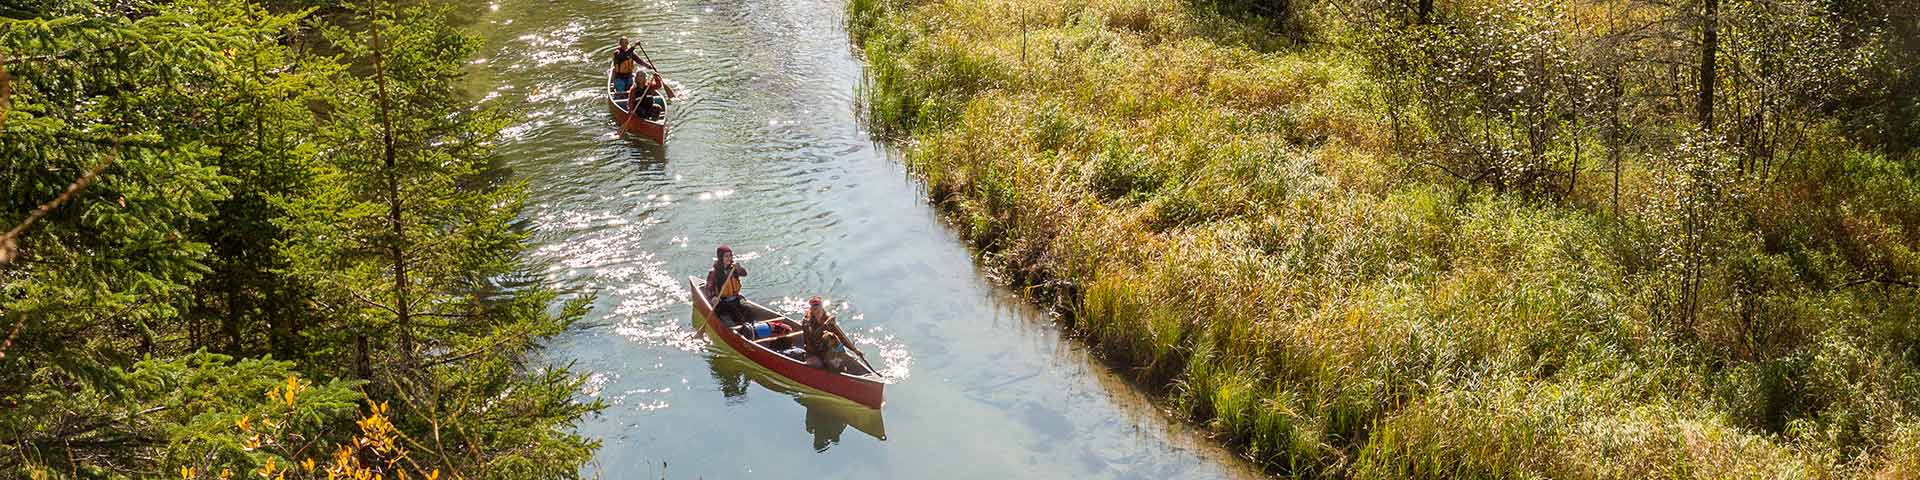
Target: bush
1387	255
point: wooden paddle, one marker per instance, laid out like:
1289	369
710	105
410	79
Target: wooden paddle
769	339
863	359
848	342
655	67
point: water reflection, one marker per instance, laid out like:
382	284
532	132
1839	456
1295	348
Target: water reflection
827	416
650	156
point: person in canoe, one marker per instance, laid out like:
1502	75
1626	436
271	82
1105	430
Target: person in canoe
644	98
835	358
723	284
625	62
825	343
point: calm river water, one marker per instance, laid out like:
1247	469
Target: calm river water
767	155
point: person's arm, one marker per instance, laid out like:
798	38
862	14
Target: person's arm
844	339
739	270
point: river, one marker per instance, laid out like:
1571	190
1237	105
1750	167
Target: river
767	155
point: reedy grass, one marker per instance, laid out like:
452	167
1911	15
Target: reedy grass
1230	216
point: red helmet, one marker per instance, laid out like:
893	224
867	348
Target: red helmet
723	250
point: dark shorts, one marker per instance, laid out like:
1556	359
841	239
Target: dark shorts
730	309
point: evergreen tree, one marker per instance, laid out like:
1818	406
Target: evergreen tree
120	119
403	239
185	177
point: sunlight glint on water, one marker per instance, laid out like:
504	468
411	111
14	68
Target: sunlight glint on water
765	154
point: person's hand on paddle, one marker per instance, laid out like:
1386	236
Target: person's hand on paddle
662	81
848	342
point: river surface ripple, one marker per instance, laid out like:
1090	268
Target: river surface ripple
766	154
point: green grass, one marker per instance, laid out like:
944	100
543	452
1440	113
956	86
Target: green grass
1230	216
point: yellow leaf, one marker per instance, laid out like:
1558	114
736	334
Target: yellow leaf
307	464
293	385
243	422
187	472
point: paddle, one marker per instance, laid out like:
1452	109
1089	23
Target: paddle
654	66
848	342
769	339
863	359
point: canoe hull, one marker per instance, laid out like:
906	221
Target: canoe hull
866	390
616	105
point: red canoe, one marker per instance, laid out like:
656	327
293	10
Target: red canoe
864	388
617	105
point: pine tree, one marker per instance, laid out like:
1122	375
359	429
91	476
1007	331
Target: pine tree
404	239
236	193
121	120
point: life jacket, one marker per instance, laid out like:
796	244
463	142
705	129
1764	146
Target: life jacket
626	65
731	286
814	334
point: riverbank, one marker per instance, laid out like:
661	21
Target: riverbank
1245	211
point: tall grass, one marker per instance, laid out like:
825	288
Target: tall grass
1229	215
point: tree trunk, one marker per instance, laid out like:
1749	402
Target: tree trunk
1709	44
230	323
396	244
1614	137
362	368
1573	172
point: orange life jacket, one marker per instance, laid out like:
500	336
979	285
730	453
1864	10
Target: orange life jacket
626	65
731	286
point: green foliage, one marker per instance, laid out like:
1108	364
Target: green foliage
407	192
182	411
242	206
1493	244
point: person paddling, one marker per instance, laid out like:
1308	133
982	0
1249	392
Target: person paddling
625	63
644	99
825	343
723	284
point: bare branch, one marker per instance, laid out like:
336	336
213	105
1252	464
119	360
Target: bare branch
1883	280
482	349
369	301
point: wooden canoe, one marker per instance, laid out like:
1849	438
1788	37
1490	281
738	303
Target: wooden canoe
617	105
864	388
